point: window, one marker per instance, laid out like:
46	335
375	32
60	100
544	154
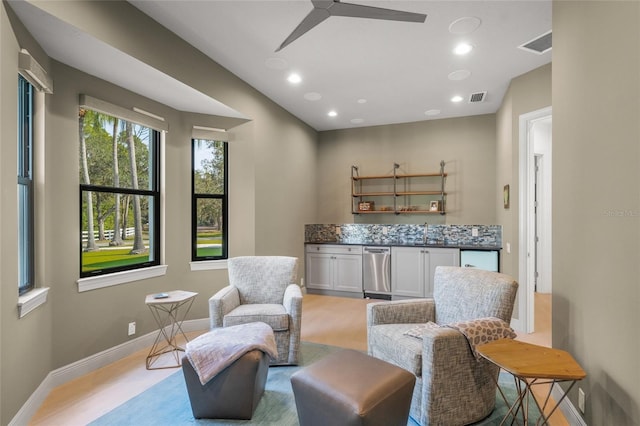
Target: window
25	186
209	204
119	194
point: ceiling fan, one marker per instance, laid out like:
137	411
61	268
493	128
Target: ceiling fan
323	9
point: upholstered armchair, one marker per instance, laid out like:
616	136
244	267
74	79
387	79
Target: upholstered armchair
453	387
262	288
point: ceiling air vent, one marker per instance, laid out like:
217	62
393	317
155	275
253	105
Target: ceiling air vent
477	97
538	45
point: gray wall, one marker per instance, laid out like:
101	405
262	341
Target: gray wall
596	201
526	93
272	183
467	146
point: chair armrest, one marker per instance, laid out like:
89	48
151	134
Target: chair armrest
401	312
445	350
292	299
221	303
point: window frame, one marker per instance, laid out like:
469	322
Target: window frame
25	157
154	193
224	197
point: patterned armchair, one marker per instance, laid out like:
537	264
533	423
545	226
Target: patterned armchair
452	387
262	288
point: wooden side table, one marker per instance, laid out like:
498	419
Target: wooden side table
532	365
169	316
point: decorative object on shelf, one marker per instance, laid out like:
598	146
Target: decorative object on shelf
366	206
417	192
505	195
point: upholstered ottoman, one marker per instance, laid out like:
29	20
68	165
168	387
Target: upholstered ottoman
225	370
351	388
232	394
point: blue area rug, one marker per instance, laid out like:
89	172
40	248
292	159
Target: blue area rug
167	403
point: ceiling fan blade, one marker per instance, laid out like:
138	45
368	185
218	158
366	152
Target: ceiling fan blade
362	11
311	20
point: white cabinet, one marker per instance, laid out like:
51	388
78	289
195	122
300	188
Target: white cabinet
412	269
332	268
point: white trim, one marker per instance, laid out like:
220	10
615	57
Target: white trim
108	280
207	265
84	366
209	133
569	411
32	71
526	225
31	300
105	107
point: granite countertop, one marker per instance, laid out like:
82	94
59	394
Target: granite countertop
413	244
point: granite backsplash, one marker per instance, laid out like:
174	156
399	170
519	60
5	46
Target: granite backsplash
354	233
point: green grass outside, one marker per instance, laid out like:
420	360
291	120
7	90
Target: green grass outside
113	258
209	251
102	259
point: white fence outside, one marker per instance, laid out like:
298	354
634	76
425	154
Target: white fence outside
108	234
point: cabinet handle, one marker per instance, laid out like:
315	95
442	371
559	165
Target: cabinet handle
318	248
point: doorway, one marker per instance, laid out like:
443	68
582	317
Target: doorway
535	215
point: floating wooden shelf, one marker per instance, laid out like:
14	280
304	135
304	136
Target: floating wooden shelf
358	192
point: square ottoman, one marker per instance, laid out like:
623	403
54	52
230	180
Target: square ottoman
352	388
233	393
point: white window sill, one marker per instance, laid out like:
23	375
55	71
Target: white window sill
117	278
207	265
31	300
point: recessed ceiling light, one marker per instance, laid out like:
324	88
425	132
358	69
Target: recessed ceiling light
362	101
459	75
465	25
462	49
294	78
276	63
357	120
457	98
432	112
332	113
313	96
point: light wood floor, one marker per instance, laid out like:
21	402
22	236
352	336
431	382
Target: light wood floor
328	320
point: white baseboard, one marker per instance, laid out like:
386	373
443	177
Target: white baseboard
569	411
84	366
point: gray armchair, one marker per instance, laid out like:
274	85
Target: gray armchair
262	288
452	386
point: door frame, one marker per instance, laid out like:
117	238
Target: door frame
526	225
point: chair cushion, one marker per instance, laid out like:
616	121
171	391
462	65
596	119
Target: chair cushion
273	314
390	343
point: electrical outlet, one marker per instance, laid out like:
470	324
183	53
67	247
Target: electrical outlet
132	328
338	230
581	400
385	230
474	232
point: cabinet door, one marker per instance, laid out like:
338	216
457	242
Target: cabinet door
319	271
407	271
347	272
439	257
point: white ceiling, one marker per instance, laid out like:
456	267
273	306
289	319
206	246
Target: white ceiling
400	68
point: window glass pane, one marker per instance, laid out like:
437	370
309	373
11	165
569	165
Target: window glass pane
117	242
209	227
24	240
119	194
116	153
208	167
25	187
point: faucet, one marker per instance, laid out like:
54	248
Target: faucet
426	232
